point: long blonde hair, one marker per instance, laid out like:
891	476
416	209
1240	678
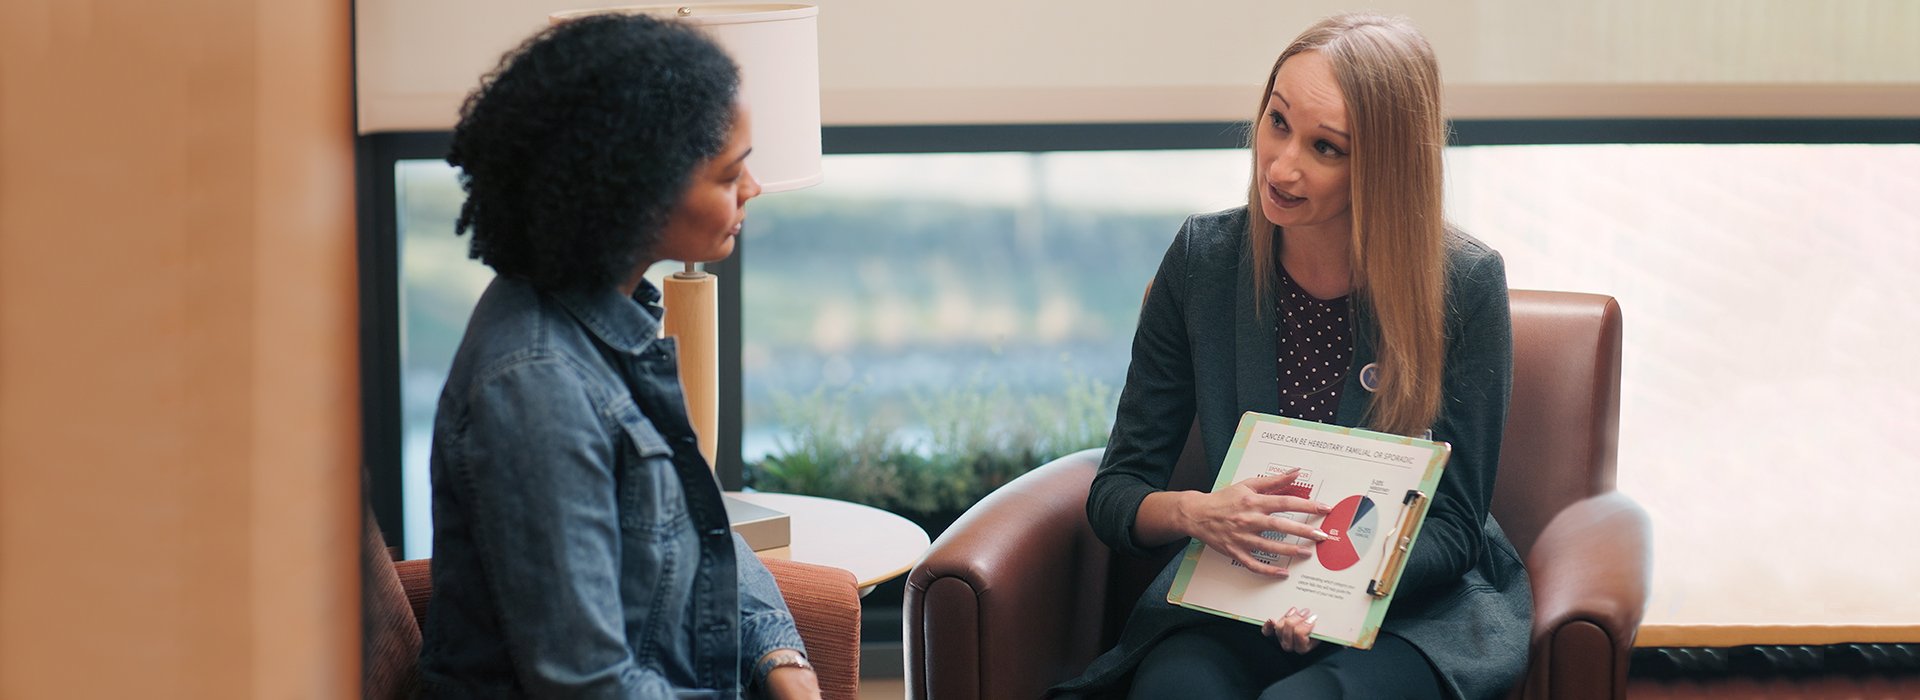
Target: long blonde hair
1392	87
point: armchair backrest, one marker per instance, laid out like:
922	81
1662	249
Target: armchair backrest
1562	427
1563	422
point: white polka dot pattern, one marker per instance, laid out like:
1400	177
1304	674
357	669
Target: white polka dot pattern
1314	351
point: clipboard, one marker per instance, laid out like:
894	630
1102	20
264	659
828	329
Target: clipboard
1413	511
1379	486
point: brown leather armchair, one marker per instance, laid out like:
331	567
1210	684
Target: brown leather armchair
1019	594
824	601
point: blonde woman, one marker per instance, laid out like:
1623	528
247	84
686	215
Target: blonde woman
1339	266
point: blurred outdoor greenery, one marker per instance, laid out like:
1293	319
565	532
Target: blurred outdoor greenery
980	436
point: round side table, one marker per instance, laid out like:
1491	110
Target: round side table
873	544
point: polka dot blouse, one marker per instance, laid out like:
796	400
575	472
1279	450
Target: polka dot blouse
1315	347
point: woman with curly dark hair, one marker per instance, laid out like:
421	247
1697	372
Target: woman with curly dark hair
580	544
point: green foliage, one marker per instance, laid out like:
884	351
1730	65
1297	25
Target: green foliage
978	437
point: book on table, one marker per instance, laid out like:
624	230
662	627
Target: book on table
768	532
1378	485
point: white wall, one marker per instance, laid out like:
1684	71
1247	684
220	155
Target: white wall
1015	61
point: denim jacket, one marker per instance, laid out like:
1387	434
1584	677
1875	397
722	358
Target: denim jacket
581	548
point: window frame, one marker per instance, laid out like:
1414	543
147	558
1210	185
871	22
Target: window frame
379	256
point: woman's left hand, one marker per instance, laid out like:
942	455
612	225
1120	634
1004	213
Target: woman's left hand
1291	630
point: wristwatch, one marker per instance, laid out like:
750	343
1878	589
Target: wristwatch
781	659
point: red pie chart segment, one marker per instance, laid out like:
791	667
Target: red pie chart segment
1350	527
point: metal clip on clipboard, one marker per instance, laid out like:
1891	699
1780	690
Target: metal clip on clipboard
1411	509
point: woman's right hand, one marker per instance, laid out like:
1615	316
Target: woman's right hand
1231	521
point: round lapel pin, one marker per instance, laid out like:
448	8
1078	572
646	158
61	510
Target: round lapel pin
1370	376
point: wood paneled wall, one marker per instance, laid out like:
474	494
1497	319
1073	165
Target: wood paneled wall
179	422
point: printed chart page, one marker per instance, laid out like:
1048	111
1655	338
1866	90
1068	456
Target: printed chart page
1364	476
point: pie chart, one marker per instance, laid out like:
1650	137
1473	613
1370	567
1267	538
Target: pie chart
1351	527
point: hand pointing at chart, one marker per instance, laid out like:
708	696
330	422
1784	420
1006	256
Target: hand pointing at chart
1234	520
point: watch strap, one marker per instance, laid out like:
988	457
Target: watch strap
783	658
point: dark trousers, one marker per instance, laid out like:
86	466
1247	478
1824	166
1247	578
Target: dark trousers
1228	659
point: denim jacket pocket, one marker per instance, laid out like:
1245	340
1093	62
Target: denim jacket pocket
650	494
647	442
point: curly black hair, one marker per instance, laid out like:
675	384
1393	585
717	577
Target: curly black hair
575	149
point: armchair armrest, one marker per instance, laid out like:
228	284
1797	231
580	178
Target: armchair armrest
1021	567
1590	570
825	603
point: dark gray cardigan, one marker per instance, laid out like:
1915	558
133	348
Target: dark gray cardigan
1464	600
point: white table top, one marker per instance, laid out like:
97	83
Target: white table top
873	544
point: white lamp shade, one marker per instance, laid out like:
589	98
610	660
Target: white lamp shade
777	46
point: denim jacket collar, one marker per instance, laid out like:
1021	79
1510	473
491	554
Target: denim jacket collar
628	325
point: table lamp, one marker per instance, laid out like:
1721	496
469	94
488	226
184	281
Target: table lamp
777	47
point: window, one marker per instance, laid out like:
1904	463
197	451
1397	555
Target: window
928	324
923	327
439	285
1771	315
938	321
